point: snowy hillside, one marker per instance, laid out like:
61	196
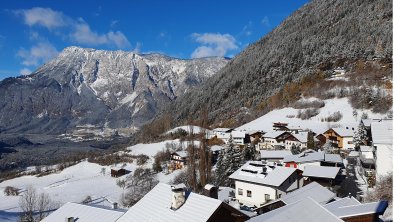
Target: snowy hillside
77	182
289	115
196	129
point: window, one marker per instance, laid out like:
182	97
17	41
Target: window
349	142
267	197
249	193
279	195
240	191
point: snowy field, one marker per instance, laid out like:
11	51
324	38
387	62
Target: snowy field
315	124
77	182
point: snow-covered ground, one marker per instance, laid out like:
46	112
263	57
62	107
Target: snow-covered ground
77	182
196	129
315	123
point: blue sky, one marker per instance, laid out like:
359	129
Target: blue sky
33	32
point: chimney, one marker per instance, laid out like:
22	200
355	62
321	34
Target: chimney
114	205
178	196
210	191
69	219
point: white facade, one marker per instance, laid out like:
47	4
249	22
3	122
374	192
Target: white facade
289	143
258	193
347	143
269	143
384	159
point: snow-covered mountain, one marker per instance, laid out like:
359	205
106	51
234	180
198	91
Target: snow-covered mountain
99	89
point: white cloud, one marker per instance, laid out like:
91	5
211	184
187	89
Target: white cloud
45	17
25	71
265	22
213	44
37	54
246	30
84	35
77	29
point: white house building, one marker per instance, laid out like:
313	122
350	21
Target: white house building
382	141
269	140
312	158
221	133
257	183
238	137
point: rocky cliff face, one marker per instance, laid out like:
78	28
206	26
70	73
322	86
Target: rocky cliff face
99	89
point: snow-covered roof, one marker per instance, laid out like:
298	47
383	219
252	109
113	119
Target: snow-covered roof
366	149
313	157
238	134
215	148
252	171
272	134
182	154
301	136
344	132
155	206
222	130
305	157
320	171
305	210
274	154
342	202
83	213
349	207
382	132
332	158
116	168
313	190
224	193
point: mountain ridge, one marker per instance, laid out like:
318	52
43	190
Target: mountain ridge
106	89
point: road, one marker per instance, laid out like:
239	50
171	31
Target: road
349	184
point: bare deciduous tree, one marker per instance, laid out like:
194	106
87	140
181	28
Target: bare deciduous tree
139	184
34	206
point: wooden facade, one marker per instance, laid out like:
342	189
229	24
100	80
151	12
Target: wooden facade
227	213
118	172
362	218
334	137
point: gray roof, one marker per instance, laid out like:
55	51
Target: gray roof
313	190
320	171
350	207
301	211
274	177
83	213
274	154
382	132
155	206
313	157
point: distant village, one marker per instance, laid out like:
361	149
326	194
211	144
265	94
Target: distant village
294	174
